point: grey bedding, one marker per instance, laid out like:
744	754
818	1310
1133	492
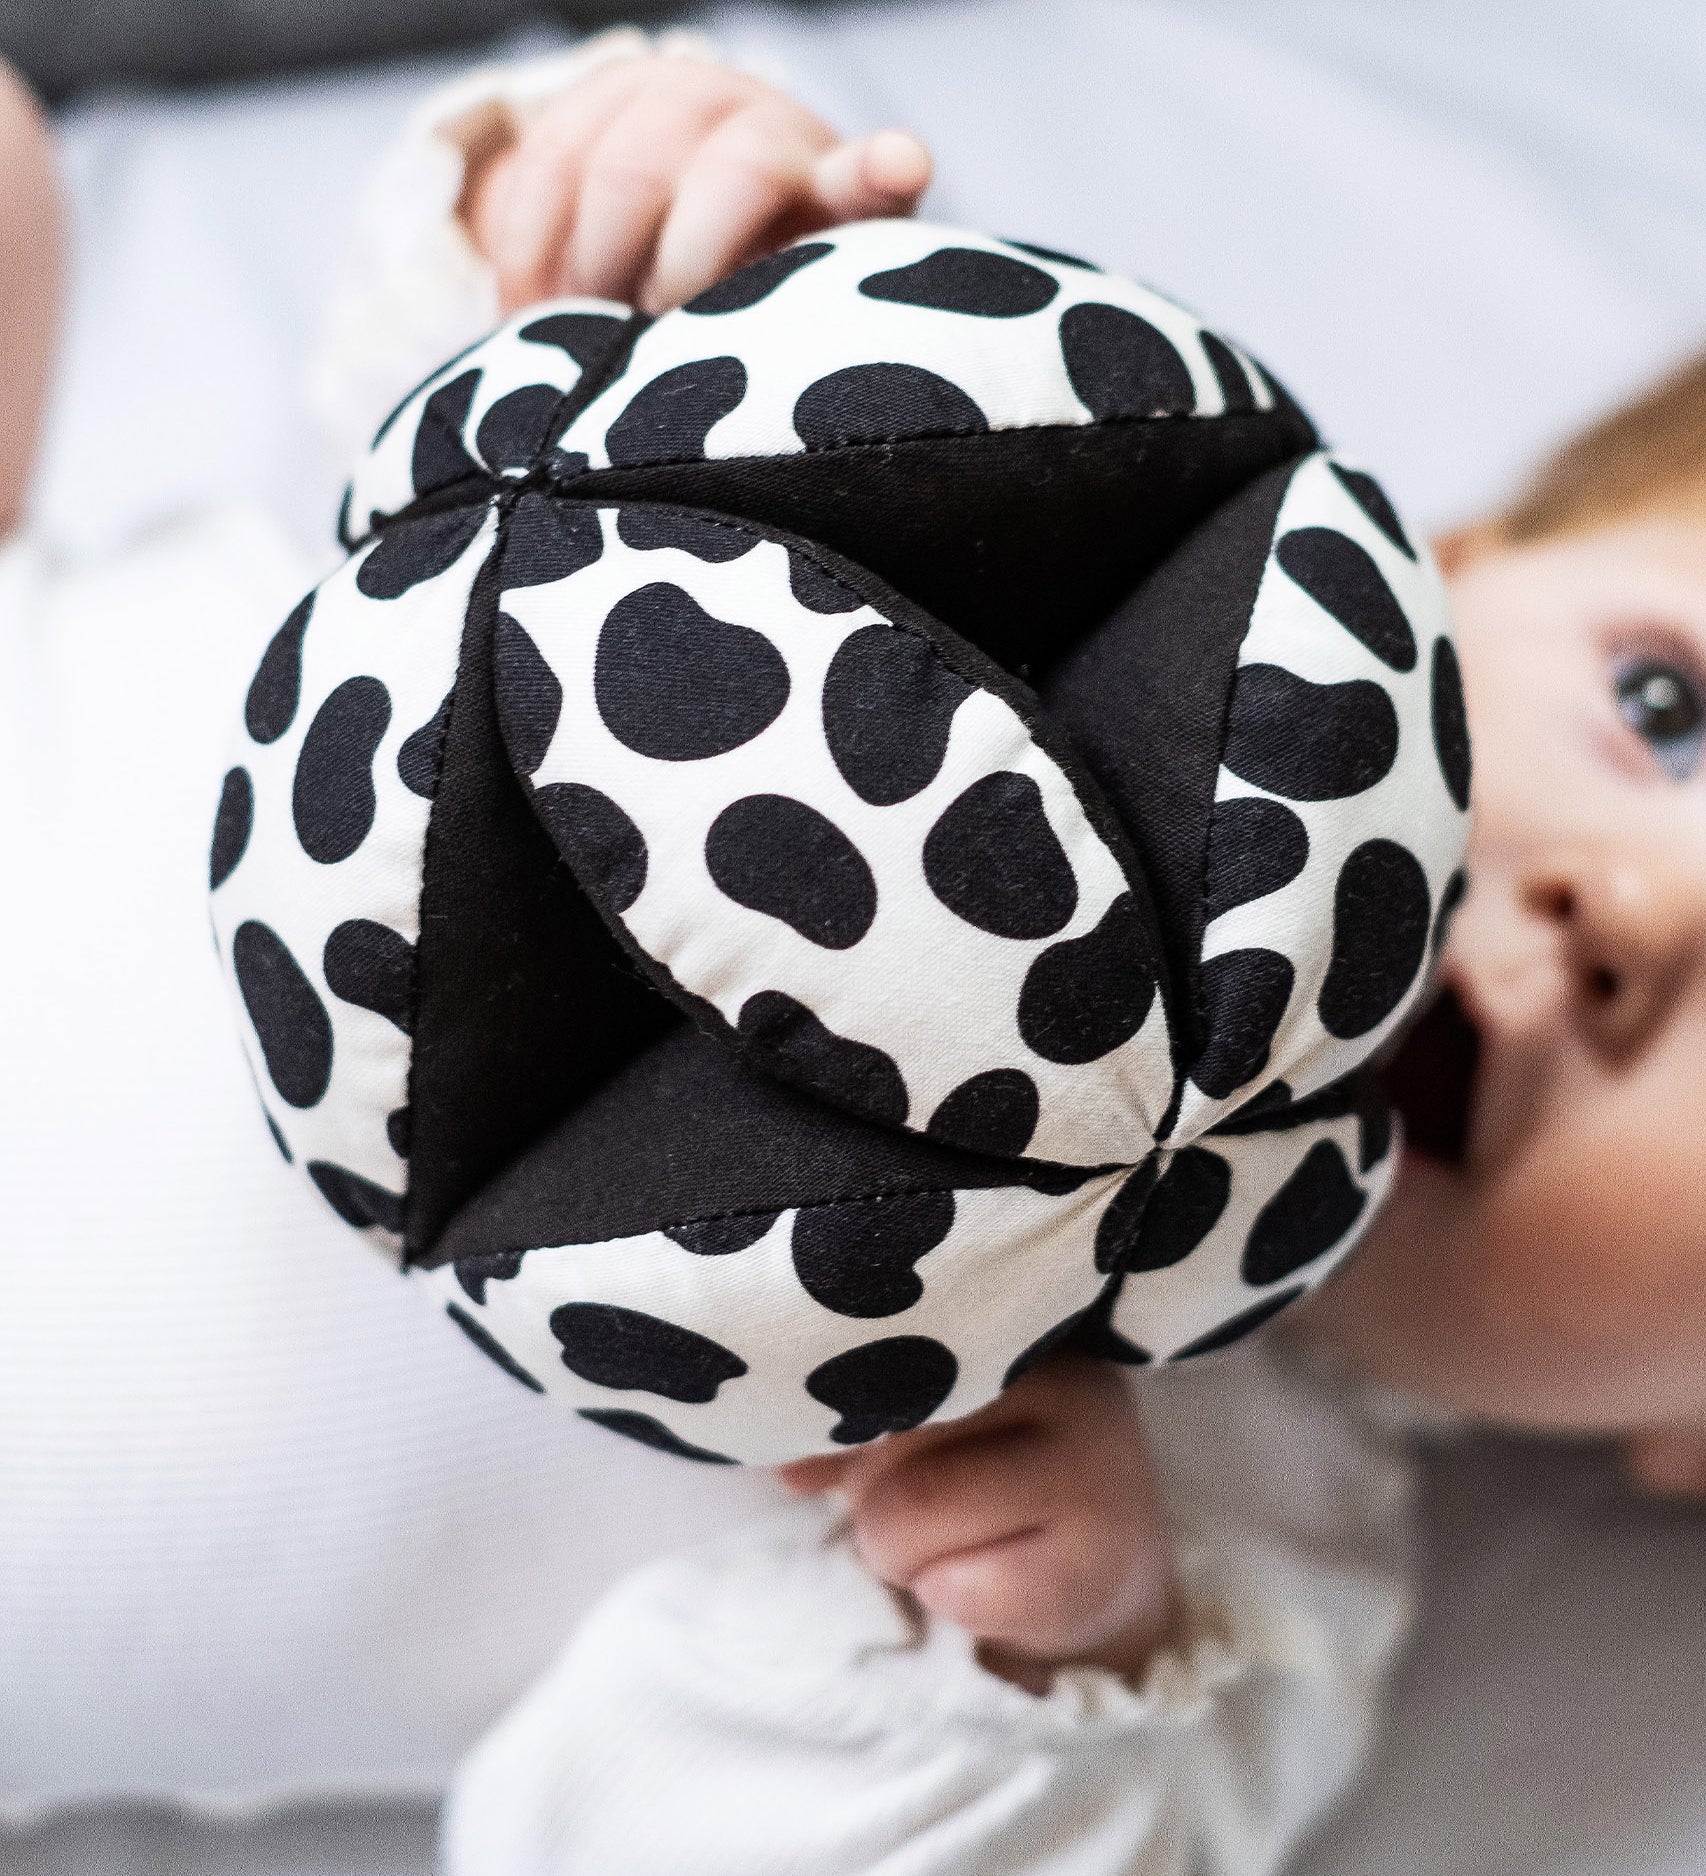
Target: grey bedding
67	47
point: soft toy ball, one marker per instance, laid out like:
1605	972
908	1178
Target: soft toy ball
827	844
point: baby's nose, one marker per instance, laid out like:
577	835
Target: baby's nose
1630	932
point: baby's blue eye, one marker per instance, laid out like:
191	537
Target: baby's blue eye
1661	703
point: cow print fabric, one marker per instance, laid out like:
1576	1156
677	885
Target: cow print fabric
766	1015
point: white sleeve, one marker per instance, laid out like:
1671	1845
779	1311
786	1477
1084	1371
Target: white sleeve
764	1708
411	290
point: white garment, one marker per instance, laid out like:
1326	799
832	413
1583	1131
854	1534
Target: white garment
267	1527
764	1708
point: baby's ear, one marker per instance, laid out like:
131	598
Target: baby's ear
1458	547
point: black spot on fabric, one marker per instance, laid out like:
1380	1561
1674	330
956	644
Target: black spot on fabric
1053	254
566	465
1370	497
474	1273
1306	1217
757	281
1451	722
882	403
1121	366
1245	994
357	1201
346	511
702	536
626	1348
421	757
1343	580
649	1432
674	683
1449	901
417	550
332	799
490	1346
278	1139
966	280
530	698
290	1021
883	1387
1255	846
888	705
588	338
270	707
606	850
1116	1230
857	1257
1246	1322
515	429
1184	1208
995	1112
440	456
721	1237
233	822
1309	742
549	538
1233	379
669	419
397	409
777	856
373	967
817	589
1374	1133
785	1037
397	1131
993	859
1084	997
1381	915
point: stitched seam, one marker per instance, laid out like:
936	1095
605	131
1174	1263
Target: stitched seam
850	447
771	1211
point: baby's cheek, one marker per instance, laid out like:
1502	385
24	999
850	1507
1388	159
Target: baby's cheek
1592	1277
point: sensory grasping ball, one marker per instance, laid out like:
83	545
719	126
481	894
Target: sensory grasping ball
830	843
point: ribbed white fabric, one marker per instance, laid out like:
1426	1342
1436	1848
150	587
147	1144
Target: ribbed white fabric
762	1707
267	1526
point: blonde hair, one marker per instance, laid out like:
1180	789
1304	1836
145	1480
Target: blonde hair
1649	457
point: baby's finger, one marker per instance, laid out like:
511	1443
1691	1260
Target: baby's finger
752	177
531	204
883	174
951	1501
808	1477
631	177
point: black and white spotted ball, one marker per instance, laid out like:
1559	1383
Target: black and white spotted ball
825	845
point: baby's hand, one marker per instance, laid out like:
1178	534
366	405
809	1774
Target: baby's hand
655	176
1034	1524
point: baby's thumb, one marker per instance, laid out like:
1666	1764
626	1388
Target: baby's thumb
882	174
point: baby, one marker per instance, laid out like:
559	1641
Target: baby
1535	1266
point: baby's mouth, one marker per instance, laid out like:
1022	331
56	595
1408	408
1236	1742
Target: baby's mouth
1431	1077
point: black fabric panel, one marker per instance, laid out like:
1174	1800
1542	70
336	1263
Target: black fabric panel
1021	540
685	1134
526	1002
1145	698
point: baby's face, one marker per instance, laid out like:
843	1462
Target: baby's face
1543	1258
